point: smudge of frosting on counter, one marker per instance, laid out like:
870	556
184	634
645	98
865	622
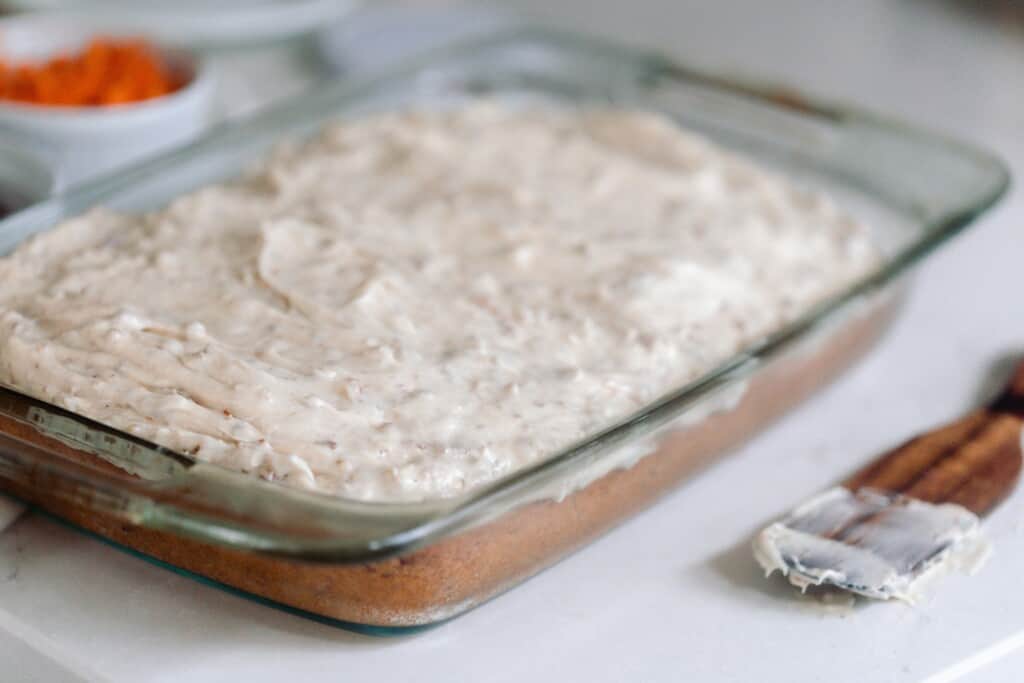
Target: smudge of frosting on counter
413	304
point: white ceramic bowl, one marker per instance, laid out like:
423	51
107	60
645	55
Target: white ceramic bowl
88	141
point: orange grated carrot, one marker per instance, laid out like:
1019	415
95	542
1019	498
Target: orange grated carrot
106	72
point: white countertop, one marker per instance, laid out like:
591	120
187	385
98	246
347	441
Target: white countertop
673	594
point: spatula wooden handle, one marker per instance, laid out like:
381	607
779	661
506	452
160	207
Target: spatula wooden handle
974	462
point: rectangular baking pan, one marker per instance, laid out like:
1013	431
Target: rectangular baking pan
385	567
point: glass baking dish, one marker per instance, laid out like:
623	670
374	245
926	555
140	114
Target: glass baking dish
384	567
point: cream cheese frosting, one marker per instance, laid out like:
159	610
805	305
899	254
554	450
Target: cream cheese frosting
413	304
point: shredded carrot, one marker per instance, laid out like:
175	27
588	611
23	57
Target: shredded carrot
106	72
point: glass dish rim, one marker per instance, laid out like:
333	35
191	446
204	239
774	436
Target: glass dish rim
416	524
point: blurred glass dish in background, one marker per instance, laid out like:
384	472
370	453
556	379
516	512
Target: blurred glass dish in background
379	35
191	22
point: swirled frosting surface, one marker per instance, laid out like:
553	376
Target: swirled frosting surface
413	304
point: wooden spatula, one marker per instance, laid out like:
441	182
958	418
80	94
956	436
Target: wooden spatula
912	510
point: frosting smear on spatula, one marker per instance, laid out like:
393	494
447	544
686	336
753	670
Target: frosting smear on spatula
872	543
